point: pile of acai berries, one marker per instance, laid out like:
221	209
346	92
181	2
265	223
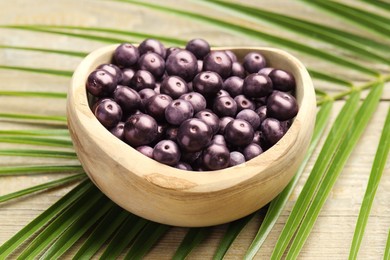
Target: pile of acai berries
192	108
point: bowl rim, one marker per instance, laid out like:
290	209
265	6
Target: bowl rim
206	181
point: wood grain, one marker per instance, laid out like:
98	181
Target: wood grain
334	228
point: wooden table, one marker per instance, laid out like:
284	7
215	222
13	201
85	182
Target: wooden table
333	231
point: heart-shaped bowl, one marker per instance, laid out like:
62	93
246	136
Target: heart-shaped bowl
172	196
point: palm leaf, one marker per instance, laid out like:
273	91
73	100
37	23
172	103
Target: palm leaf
355	61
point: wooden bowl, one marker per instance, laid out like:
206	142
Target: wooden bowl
187	198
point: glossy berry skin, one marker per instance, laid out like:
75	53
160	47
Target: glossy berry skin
238	70
183	166
152	45
250	116
200	66
225	106
145	150
282	80
173	86
127	98
118	130
266	71
251	151
244	103
112	69
223	121
100	83
281	105
153	63
236	158
145	94
272	130
262	112
156	105
253	62
126	55
239	132
109	113
216	157
197	101
194	135
257	85
209	118
127	75
233	85
231	55
219	139
219	62
190	157
171	50
140	129
183	64
199	47
178	111
166	152
207	83
142	79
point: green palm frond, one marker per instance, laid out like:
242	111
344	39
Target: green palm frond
84	223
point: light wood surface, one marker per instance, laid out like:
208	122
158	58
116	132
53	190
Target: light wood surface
333	231
187	198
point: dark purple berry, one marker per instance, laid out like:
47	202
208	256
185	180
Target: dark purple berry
262	112
171	50
207	83
109	113
178	111
100	83
244	103
282	80
272	130
250	116
142	79
200	66
238	70
253	62
222	93
190	157
153	63
251	151
281	105
225	106
197	101
173	86
266	71
126	55
219	62
113	70
236	158
286	125
127	98
219	139
127	75
194	135
233	85
209	118
223	121
166	152
239	132
216	157
183	166
199	47
156	105
257	85
171	133
152	45
140	129
231	55
118	130
145	94
183	64
145	150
